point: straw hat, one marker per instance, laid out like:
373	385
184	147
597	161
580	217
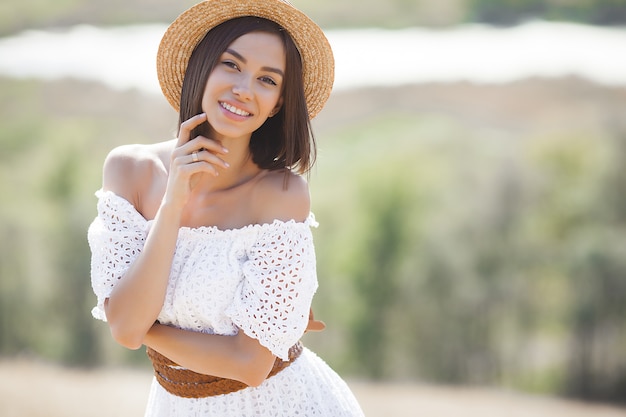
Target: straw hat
189	29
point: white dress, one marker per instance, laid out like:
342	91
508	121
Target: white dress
259	278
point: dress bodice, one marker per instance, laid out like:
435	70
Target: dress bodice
258	278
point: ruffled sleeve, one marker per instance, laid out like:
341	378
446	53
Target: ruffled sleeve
116	237
272	302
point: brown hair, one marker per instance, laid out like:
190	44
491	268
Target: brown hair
284	140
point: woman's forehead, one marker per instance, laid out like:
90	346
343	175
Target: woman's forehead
259	47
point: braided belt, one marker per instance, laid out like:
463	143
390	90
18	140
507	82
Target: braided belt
188	384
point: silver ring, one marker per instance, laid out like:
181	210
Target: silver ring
194	156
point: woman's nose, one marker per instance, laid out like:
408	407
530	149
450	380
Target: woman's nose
242	88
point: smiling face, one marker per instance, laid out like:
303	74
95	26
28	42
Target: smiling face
245	87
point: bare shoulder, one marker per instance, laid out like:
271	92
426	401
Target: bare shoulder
130	170
280	198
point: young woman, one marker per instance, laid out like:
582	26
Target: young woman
202	248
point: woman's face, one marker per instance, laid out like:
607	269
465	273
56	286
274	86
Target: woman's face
245	87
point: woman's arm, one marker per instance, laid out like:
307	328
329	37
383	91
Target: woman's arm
239	357
135	302
137	299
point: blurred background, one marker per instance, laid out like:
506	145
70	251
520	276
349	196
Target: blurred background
470	189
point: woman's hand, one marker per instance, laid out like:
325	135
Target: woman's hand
238	357
192	156
314	325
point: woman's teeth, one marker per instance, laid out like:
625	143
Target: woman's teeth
234	109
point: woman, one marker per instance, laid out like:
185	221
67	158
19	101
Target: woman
202	248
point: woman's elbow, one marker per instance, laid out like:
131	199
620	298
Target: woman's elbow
129	339
121	330
255	369
254	378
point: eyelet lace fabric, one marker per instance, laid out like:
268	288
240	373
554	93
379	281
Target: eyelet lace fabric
259	278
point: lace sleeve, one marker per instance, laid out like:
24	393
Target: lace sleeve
272	302
116	237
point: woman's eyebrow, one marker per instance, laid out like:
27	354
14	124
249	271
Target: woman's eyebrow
244	60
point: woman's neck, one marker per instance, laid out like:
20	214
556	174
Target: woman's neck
241	167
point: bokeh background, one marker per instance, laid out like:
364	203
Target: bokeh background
472	239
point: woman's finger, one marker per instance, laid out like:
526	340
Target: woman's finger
184	133
199	144
205	157
196	162
314	325
189	169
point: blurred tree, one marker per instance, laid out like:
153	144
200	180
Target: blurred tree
72	298
381	251
14	296
447	252
596	260
597	12
18	15
509	12
506	12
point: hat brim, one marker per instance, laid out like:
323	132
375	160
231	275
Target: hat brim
184	34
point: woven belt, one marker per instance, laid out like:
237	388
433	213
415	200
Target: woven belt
185	383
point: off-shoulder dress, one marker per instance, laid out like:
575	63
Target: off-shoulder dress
259	278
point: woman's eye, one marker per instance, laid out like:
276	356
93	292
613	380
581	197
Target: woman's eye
268	80
230	64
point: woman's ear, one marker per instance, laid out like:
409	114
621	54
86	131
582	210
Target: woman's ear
277	108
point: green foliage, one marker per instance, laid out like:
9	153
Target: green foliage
17	15
475	258
52	152
385	199
450	249
508	12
